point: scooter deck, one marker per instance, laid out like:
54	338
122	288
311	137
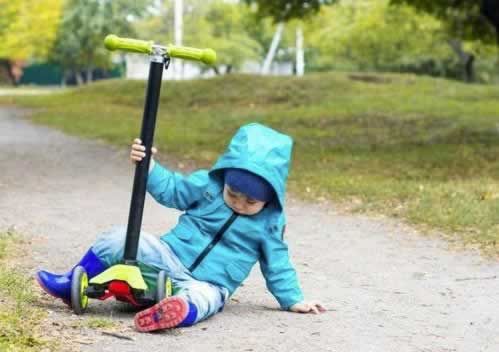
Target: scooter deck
128	273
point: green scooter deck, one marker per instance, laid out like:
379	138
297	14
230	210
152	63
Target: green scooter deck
128	273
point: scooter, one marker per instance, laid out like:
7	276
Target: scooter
125	281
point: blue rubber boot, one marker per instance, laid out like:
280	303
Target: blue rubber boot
59	286
191	316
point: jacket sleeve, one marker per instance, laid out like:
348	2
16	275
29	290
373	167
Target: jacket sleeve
276	267
173	189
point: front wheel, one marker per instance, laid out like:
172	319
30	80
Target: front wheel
79	284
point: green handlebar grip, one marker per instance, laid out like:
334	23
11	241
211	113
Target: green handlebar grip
113	42
207	56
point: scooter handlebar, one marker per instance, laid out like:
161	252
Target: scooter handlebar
113	42
206	56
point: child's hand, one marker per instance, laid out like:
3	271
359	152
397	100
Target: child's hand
138	151
308	307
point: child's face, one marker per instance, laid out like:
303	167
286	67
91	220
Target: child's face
240	203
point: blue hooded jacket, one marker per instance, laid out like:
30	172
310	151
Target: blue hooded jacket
246	239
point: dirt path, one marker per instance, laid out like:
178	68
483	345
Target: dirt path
387	288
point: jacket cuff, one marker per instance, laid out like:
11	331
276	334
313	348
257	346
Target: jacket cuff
290	301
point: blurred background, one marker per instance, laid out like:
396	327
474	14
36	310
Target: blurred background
59	42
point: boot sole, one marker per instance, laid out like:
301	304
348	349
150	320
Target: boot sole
67	302
166	314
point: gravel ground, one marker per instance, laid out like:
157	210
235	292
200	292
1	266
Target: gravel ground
387	287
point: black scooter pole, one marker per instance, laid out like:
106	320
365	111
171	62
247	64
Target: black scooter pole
157	64
160	57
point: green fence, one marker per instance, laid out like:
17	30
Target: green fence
51	74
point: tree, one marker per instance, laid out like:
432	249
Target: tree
285	10
471	19
27	30
377	35
465	20
79	45
490	9
215	24
370	35
228	35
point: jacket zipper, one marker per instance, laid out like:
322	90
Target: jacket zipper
214	242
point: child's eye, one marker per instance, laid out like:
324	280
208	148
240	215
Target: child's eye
251	201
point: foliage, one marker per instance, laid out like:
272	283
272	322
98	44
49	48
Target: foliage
158	23
465	18
285	10
259	28
371	35
28	28
214	24
79	45
228	35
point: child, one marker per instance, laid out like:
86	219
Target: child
233	217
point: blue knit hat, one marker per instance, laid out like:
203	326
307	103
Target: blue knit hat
250	184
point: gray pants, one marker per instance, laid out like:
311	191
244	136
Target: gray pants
154	255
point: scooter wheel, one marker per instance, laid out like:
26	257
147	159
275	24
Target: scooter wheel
79	283
163	286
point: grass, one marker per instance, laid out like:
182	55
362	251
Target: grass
422	149
100	323
22	325
19	319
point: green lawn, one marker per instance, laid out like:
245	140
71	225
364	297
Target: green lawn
423	149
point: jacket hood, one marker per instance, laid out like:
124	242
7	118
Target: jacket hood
263	151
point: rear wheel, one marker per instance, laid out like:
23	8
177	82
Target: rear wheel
79	284
163	286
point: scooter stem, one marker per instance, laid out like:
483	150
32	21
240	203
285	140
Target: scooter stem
159	58
142	169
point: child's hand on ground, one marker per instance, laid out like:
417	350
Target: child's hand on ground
137	152
307	307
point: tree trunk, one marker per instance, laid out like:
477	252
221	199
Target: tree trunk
64	80
79	78
216	70
89	74
469	70
300	54
467	59
7	66
228	70
273	48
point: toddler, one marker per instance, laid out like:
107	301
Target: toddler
233	217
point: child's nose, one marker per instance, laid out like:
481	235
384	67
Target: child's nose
240	203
